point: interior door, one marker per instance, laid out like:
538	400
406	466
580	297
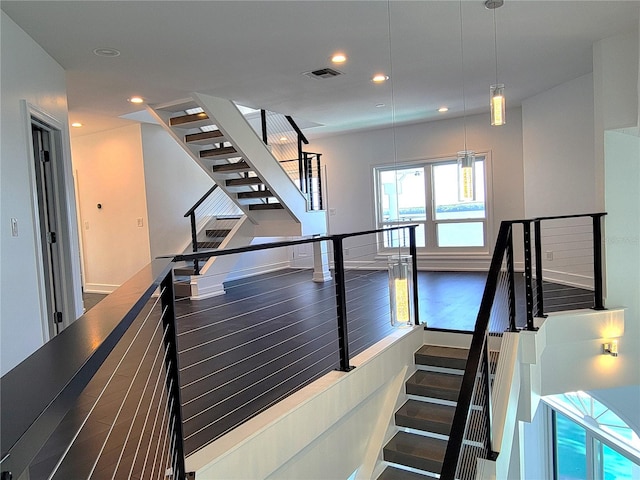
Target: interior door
44	157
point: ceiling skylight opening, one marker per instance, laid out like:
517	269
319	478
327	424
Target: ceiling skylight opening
338	57
380	78
246	110
193	111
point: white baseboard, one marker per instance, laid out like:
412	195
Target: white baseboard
569	279
99	288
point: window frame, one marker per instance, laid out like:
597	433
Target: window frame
595	440
430	224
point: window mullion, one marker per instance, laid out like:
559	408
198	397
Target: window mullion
430	225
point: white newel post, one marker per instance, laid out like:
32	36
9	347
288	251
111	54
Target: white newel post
321	271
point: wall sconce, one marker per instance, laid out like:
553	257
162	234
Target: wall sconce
610	348
401	290
466	176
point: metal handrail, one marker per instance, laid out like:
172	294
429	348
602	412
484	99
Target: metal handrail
60	370
478	351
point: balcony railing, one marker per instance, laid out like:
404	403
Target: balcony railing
126	390
103	397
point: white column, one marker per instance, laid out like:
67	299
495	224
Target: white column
321	262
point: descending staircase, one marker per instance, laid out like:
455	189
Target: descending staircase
417	450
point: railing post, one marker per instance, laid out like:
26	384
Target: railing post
539	284
171	364
413	251
301	170
528	277
263	122
308	175
598	284
194	242
512	282
488	414
319	173
341	304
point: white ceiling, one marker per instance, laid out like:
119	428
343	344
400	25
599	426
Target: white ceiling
254	52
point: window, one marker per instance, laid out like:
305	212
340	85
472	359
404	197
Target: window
426	194
590	441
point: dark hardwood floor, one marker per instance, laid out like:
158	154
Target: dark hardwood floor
265	338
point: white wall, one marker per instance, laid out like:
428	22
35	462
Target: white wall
28	73
350	160
558	148
622	247
174	182
110	172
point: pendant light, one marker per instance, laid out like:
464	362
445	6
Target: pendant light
498	107
400	265
466	158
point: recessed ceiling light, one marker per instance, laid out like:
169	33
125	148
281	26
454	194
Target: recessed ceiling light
136	100
283	139
443	109
106	52
380	78
339	58
76	124
380	105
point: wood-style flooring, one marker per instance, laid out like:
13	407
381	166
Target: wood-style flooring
265	338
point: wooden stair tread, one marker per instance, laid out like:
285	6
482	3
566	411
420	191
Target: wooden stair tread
266	206
217	232
239	182
428	417
255	194
204	137
218	152
446	357
444	386
417	451
208	245
186	120
232	167
393	473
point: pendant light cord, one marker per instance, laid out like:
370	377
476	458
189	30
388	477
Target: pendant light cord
464	102
393	125
495	42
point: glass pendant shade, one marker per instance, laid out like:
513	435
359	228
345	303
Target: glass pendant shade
401	290
497	105
466	176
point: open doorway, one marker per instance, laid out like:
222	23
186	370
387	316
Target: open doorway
55	234
47	196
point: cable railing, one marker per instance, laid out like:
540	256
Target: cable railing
101	400
134	396
216	210
285	140
120	394
470	436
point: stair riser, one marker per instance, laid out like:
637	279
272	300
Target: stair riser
425	426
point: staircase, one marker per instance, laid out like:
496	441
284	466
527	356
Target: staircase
220	140
216	135
417	450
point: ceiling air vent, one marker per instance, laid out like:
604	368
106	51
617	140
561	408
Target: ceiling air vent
323	73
